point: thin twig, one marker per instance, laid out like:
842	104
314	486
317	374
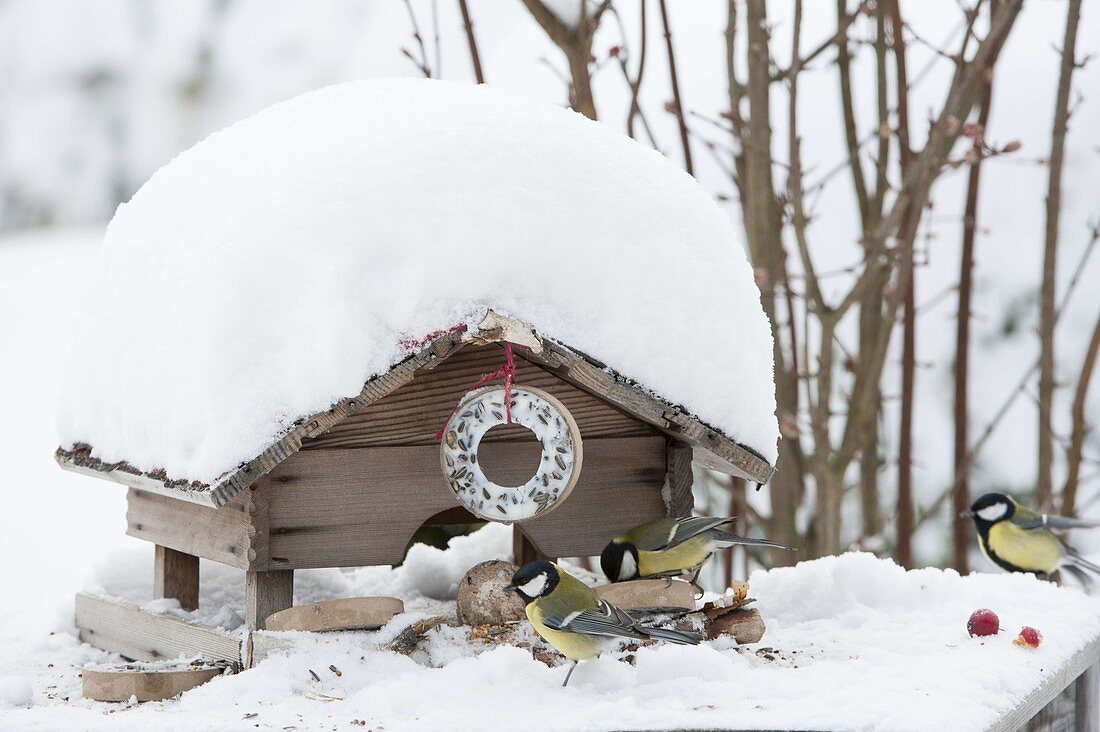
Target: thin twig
471	41
824	46
1044	481
422	62
677	105
1080	424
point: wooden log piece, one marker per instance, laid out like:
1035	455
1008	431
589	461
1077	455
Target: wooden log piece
650	595
119	683
347	613
744	625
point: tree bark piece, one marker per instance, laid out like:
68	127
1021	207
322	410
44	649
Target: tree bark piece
267	593
176	575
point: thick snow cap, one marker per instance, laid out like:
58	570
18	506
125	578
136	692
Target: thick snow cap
273	268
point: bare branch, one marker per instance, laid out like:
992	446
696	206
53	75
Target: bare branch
910	202
576	44
1080	425
471	41
677	105
421	62
824	46
1044	481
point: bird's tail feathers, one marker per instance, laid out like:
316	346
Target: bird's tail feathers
682	637
1079	574
725	539
1073	559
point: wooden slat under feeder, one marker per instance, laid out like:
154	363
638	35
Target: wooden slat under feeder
124	628
144	682
347	613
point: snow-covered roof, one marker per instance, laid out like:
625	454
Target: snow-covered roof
273	269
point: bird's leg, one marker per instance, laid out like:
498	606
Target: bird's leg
694	581
571	670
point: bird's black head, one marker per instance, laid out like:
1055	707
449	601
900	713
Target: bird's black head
619	561
991	508
534	580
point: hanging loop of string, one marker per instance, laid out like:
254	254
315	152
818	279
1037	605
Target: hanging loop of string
507	372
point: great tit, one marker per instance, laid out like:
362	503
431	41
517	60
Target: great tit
1017	539
670	547
572	618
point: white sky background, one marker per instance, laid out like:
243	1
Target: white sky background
95	97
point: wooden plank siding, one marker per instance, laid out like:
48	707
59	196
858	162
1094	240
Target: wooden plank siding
354	507
413	414
355	494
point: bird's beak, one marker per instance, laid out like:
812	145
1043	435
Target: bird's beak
966	514
509	586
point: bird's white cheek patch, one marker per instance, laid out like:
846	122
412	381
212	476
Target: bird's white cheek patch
628	566
534	587
994	512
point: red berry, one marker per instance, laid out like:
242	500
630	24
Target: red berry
983	622
1029	637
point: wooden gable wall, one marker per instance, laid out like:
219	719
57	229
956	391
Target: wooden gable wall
414	413
355	494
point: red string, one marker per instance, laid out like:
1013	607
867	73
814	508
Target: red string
507	372
409	343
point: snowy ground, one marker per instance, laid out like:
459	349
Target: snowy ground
852	642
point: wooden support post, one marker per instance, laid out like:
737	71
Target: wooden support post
266	593
523	550
176	574
1087	701
679	500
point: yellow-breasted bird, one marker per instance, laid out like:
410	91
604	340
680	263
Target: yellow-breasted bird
1017	539
571	617
670	547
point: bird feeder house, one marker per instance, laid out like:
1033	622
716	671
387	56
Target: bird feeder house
387	305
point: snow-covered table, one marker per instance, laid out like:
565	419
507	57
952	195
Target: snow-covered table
1068	699
852	643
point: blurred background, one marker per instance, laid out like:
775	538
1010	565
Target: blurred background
915	183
